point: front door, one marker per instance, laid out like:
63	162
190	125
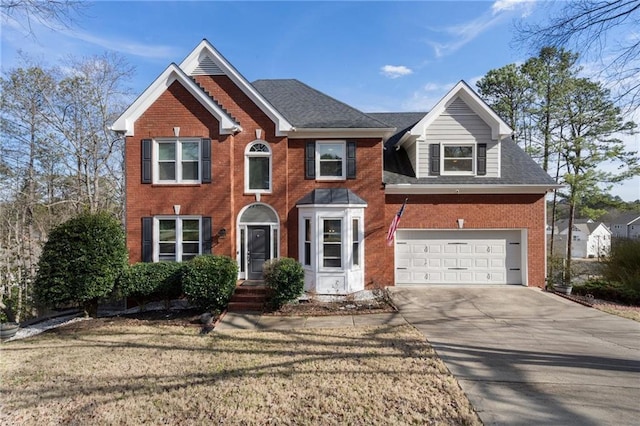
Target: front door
257	250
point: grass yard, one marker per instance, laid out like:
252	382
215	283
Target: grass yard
131	372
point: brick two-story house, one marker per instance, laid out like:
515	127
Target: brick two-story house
273	168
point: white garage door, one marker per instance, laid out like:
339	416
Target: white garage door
458	257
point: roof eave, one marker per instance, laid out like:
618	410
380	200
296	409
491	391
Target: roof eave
469	188
339	132
126	122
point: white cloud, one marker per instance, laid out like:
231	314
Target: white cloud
395	71
463	33
525	6
427	97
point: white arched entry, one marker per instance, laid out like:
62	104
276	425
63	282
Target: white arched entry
258	239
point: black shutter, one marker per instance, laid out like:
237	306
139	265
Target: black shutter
147	239
146	160
310	160
351	159
206	160
434	159
206	235
482	159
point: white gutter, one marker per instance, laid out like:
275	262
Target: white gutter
468	189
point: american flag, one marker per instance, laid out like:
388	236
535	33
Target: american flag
394	224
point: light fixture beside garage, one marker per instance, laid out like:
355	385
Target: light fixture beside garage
460	223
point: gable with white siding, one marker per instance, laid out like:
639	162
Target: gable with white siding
459	124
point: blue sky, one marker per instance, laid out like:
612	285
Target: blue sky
375	56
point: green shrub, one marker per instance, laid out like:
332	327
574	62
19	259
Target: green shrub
209	281
285	279
623	264
81	261
607	290
143	281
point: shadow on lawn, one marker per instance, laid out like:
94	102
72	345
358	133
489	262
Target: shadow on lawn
282	353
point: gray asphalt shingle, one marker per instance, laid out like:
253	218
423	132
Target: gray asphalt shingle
306	107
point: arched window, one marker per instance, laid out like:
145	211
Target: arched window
257	166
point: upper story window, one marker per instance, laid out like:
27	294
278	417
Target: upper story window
457	159
257	166
177	161
330	160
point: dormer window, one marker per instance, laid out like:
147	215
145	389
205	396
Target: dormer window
457	159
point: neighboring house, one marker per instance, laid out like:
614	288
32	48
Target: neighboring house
626	226
276	168
589	239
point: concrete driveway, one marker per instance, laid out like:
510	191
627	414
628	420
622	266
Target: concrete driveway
525	357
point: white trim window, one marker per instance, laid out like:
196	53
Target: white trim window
177	238
257	168
177	160
331	160
458	159
332	243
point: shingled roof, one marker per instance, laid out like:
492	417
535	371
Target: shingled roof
306	107
517	167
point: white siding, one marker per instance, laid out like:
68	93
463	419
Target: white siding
411	152
458	123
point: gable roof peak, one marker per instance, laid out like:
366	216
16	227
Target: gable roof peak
462	90
206	60
125	123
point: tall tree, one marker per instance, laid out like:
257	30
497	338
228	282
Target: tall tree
549	74
87	101
592	124
24	139
508	91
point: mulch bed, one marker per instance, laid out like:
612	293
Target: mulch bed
191	317
317	308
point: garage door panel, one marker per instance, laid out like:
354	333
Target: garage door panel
497	263
458	257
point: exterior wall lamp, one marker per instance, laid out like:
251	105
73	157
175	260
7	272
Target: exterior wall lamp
222	233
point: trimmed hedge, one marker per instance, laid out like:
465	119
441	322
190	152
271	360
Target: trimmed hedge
208	281
613	292
143	281
285	278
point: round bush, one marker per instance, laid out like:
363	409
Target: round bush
209	281
81	262
285	278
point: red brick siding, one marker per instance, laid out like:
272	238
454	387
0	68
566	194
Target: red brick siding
504	211
224	197
367	185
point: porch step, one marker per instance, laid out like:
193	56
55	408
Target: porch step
249	297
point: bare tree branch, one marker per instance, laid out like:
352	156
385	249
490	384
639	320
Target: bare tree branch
597	29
